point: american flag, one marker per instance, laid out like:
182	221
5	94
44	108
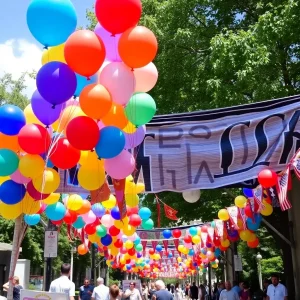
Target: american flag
296	165
282	188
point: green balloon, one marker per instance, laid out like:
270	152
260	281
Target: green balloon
101	230
138	247
9	162
147	224
140	109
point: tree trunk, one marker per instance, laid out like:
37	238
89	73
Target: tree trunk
15	253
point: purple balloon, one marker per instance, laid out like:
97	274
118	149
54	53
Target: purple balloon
136	138
110	42
44	110
56	82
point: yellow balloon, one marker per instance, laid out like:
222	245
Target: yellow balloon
129	128
90	159
29	205
91	178
122	260
129	230
139	187
53	198
132	200
215	266
54	54
127	256
110	203
93	238
180	248
74	202
225	243
10	212
30	116
267	211
223	215
118	224
114	251
196	239
132	188
31	166
4	178
252	237
240	201
125	220
48	182
245	235
68	114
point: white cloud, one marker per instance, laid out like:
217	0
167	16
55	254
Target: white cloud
19	56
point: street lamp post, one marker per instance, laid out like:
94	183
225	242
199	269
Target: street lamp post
259	258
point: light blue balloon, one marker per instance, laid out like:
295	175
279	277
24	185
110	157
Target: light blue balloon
193	231
145	213
55	212
137	240
79	223
111	142
82	82
32	220
50	21
9	162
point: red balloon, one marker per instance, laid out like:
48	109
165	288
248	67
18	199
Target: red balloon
57	222
118	243
188	239
64	156
70	217
83	133
176	233
42	209
33	193
204	228
267	178
34	139
131	251
118	15
248	211
90	229
84	52
135	220
151	251
132	210
114	231
253	244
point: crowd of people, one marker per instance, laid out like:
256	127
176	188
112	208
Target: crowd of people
272	290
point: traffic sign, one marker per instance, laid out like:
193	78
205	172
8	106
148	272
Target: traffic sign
50	248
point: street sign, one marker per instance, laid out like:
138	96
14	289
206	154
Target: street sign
238	266
50	248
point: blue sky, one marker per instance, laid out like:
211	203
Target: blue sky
13	18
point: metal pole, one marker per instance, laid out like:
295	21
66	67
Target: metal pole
209	281
236	273
72	262
93	265
259	258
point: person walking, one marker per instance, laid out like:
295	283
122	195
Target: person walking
161	292
145	291
101	291
245	293
202	292
228	293
63	284
86	290
132	293
114	292
194	292
177	292
16	287
152	290
276	290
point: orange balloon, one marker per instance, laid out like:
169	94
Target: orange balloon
85	208
9	142
82	249
84	52
115	117
137	47
95	101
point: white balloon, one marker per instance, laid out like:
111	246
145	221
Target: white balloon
191	196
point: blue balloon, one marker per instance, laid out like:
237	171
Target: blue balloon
170	255
12	192
55	212
111	142
217	252
248	192
79	223
254	224
56	82
50	164
115	213
98	210
51	21
106	240
191	252
167	233
193	231
82	82
159	248
32	219
145	213
12	119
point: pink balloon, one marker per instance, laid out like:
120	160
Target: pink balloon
111	43
33	193
19	178
119	80
124	159
107	221
100	125
89	217
43	207
145	78
72	102
136	138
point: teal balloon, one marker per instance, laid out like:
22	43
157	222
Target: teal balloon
32	219
147	224
82	82
101	230
55	212
79	223
51	21
138	247
9	162
140	109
